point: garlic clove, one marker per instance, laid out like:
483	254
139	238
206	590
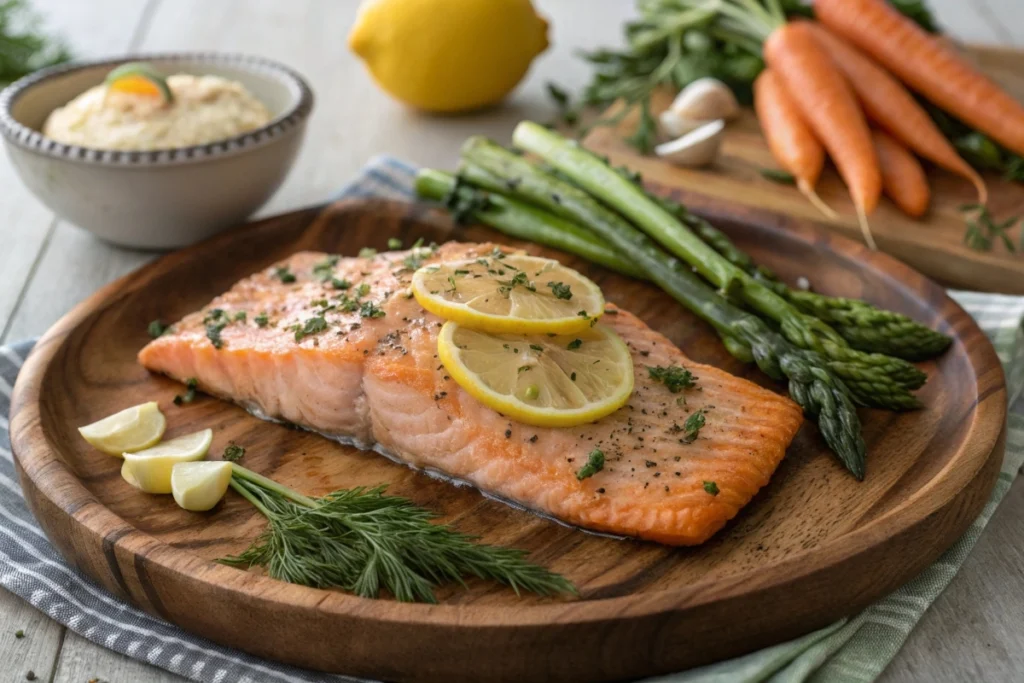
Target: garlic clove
697	148
705	99
674	126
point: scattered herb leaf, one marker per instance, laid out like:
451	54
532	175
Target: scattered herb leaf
371	310
261	320
367	252
595	463
692	426
190	392
675	377
233	452
777	176
310	327
574	344
711	487
560	290
394	243
283	274
157	329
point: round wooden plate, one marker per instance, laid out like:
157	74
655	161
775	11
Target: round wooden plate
813	546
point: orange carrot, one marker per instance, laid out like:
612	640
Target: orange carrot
926	65
790	139
829	106
887	103
903	179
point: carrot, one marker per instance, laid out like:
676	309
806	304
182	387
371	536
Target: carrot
887	103
903	179
829	106
926	65
790	139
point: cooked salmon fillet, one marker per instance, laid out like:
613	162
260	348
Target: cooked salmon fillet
372	375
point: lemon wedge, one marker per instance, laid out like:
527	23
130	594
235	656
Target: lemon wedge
151	468
126	474
130	430
547	381
509	293
198	486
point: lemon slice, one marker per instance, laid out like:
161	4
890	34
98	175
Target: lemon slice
510	293
198	486
152	467
547	381
130	430
139	78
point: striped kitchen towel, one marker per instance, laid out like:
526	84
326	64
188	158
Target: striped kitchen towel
852	650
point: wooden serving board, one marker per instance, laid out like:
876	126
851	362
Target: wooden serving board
813	546
933	245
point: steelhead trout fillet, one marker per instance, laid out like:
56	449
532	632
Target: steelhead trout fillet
339	346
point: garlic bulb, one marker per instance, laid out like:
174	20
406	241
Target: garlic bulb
673	125
697	148
706	99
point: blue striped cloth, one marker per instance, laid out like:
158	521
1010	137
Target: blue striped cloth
852	650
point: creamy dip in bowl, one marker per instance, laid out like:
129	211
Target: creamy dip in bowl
203	109
156	163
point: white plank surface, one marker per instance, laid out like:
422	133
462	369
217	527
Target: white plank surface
974	631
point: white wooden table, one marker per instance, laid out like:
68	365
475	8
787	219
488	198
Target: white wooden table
974	632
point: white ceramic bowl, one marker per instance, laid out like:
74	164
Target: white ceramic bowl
164	198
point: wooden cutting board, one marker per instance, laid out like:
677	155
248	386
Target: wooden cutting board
933	245
813	546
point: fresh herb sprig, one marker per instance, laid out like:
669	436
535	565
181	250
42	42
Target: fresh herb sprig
983	230
365	542
23	47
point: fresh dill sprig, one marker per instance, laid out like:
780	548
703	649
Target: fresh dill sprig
364	541
982	230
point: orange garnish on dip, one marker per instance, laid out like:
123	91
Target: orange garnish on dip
139	78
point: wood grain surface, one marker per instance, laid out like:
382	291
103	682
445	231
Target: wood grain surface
933	245
813	546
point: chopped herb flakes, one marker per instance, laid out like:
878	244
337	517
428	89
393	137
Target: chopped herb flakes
394	243
574	344
692	426
573	377
371	310
190	392
519	279
537	347
595	463
310	327
240	316
284	275
261	320
532	392
451	281
340	284
157	329
363	289
711	487
216	320
367	252
233	452
675	377
560	290
19	634
324	270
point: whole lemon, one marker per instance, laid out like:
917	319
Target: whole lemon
448	55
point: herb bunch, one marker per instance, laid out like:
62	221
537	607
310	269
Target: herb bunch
364	541
23	48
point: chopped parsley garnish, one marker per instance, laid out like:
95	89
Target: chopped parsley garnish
451	281
157	329
371	310
692	426
216	320
311	327
537	347
19	634
324	270
284	275
190	392
462	272
518	279
532	392
711	487
675	377
574	344
240	316
340	284
347	305
363	289
583	314
261	320
595	463
367	252
524	368
394	243
233	452
497	253
560	290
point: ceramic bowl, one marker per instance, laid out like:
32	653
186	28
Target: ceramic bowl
164	198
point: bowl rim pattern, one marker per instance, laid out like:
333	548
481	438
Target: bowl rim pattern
32	140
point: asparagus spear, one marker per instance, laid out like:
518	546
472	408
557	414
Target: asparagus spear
812	385
876	381
593	175
863	326
521	220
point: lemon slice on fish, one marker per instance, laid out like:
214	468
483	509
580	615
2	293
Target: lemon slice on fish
542	380
151	468
198	486
130	430
509	293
